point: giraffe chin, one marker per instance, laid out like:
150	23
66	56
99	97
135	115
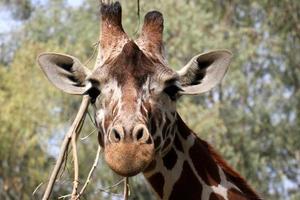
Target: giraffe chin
128	159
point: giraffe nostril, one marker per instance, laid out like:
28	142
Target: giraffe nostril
116	135
141	134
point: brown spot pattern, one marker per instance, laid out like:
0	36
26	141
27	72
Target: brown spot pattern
234	194
170	159
214	196
157	181
187	186
182	128
231	174
204	164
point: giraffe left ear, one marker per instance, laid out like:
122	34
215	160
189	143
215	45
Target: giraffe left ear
64	71
204	71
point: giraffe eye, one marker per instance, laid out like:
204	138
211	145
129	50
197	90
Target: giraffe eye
93	90
93	93
172	91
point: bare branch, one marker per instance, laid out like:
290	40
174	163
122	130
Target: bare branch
91	119
76	125
126	188
88	135
115	185
88	179
37	188
76	167
64	196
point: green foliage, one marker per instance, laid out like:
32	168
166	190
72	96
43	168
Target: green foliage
252	119
25	115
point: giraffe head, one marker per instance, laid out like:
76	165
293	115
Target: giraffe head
132	88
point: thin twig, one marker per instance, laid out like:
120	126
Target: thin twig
106	190
85	137
88	179
36	189
64	147
126	188
109	187
75	158
90	117
64	196
95	45
76	167
64	164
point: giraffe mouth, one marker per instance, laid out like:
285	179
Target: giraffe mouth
129	159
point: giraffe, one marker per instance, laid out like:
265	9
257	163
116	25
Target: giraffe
133	92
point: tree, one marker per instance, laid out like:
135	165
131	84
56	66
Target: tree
252	118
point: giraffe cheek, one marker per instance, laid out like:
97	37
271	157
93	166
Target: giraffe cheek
128	159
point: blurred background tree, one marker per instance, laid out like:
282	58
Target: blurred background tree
253	118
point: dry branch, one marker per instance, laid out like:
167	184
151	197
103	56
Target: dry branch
88	179
75	128
126	188
76	167
37	188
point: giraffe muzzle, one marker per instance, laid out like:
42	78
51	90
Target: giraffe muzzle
129	153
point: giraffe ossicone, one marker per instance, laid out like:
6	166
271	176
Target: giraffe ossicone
134	92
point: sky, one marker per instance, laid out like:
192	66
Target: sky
7	23
75	3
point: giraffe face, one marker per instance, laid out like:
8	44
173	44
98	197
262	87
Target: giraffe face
134	101
132	89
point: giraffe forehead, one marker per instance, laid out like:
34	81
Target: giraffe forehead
134	65
132	68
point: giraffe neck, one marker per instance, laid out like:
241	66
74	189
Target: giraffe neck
193	170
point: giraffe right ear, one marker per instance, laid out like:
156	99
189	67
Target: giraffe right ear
204	71
64	71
